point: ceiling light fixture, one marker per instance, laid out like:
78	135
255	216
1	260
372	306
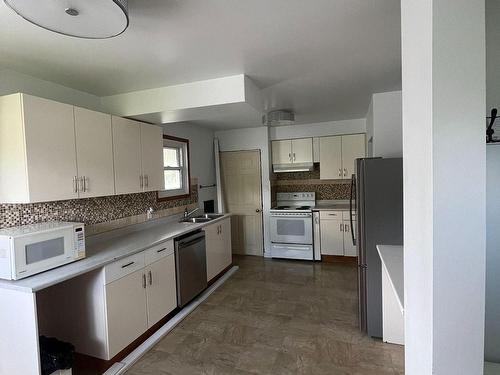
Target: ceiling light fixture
278	118
91	19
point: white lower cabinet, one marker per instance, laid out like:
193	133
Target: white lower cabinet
104	311
161	293
335	234
332	235
126	311
218	247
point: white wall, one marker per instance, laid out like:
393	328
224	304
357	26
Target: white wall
320	129
492	54
201	149
444	185
12	82
253	139
384	125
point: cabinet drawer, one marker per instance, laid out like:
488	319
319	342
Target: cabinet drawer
159	251
346	216
330	215
123	267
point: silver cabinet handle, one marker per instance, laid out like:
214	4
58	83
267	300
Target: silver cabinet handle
220	226
75	184
294	158
150	276
81	188
127	265
144	284
84	183
340	172
289	156
161	250
345	172
316	220
141	181
341	227
146	180
347	227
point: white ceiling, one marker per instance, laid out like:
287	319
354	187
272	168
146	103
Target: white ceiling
321	58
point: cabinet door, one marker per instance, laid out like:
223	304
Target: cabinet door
282	151
330	158
332	237
302	150
127	155
50	149
161	290
94	153
213	249
353	147
126	313
349	249
152	157
227	257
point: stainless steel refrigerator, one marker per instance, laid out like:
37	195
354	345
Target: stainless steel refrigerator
378	190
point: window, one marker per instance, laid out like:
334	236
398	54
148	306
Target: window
175	168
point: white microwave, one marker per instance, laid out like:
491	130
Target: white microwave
31	249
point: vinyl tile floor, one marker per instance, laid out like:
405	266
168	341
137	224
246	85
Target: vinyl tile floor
275	317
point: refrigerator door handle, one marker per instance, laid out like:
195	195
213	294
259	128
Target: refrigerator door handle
353	185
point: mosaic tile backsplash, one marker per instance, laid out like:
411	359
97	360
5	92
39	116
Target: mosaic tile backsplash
309	181
91	210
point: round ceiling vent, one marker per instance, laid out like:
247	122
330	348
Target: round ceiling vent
92	19
279	117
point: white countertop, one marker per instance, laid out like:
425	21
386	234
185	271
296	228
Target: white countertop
332	205
393	261
135	239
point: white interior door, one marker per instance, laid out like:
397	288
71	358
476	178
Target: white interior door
302	150
353	147
50	149
330	157
94	153
282	151
241	179
152	157
127	155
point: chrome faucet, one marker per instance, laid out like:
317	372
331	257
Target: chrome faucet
189	213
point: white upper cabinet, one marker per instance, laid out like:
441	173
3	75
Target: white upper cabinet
37	150
338	155
353	147
127	155
282	151
52	151
330	157
152	157
292	151
302	150
94	153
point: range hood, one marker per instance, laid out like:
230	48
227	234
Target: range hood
293	167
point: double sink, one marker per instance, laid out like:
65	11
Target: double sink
201	218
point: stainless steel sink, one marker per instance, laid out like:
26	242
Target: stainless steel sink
196	220
210	216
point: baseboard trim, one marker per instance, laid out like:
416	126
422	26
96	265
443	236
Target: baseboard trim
339	259
121	367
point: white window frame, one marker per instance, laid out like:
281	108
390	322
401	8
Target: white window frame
183	146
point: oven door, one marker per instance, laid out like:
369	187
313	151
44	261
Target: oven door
41	252
292	228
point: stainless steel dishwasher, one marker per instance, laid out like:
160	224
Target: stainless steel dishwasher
190	266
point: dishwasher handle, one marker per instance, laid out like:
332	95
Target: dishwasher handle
189	239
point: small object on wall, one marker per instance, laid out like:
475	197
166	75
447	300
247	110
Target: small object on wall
490	132
209	206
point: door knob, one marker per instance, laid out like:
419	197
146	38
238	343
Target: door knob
257	210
